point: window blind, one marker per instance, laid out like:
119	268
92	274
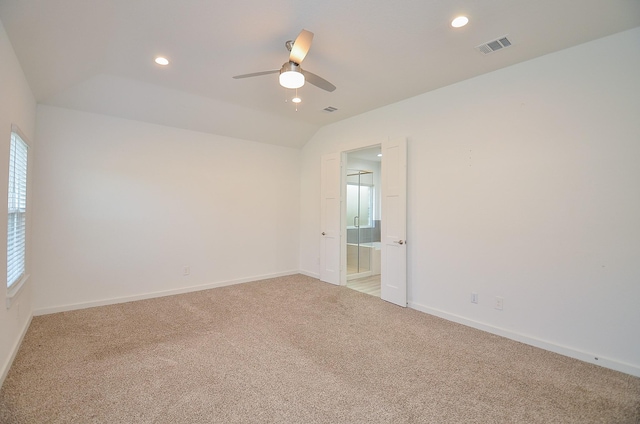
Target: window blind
16	229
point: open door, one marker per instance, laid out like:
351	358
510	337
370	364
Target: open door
330	190
394	222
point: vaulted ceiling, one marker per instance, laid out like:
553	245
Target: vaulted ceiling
97	56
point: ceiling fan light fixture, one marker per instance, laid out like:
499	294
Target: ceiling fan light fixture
291	76
291	79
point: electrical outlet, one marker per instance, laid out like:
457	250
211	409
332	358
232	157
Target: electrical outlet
499	303
186	270
474	297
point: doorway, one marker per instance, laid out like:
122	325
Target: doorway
392	205
363	220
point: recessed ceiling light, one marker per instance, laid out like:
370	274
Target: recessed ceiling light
460	21
379	155
162	61
296	100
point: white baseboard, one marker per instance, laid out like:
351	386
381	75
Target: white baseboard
115	300
532	341
14	351
309	274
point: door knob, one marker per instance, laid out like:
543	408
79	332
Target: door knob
399	242
323	233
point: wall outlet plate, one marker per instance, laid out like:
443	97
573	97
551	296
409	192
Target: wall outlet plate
474	297
499	303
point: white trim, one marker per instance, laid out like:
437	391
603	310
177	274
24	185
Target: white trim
533	341
310	274
14	351
112	301
17	130
14	290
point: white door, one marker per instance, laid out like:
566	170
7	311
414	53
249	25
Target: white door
394	221
330	189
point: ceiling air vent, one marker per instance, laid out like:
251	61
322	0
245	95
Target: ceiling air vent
494	45
330	109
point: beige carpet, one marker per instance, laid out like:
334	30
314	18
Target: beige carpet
294	350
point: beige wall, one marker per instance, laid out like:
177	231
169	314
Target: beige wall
123	206
18	107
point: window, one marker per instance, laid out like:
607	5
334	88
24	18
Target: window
16	229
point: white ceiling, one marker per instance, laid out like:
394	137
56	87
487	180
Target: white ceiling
98	55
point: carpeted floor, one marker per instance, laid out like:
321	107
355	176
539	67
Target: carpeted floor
294	350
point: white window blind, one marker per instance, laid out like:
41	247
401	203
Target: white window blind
16	229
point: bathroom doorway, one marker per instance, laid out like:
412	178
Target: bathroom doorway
390	204
363	219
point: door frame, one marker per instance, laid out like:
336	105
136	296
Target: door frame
401	285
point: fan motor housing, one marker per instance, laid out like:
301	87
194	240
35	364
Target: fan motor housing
290	67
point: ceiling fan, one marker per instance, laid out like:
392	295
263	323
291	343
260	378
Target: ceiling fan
291	74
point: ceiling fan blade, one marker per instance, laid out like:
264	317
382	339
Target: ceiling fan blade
257	74
318	81
301	46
